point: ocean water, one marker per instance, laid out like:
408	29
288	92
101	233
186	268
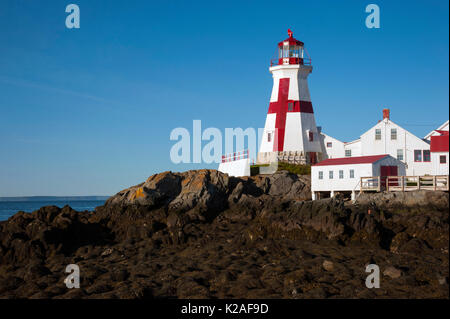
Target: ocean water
7	209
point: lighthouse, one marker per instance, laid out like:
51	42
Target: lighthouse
290	132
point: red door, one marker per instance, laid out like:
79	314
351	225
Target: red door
312	158
388	171
394	172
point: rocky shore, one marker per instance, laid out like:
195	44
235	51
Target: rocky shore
202	234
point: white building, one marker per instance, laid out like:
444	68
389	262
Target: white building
235	164
439	152
331	147
343	174
386	137
443	127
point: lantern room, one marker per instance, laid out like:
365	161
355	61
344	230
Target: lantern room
291	51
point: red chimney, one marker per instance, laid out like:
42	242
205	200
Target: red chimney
385	114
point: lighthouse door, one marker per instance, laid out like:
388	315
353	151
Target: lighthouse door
312	158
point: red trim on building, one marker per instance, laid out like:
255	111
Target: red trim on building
439	143
351	160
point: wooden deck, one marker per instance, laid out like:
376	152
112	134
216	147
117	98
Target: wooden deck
404	183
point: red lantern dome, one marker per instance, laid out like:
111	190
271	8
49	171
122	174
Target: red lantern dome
291	51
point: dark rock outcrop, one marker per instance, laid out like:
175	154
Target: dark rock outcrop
203	234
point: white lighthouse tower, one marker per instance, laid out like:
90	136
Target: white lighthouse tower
290	132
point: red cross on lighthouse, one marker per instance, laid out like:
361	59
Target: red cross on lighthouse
280	108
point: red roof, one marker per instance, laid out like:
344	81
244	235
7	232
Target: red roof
351	160
439	143
291	40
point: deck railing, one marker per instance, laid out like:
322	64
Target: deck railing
404	183
231	157
292	60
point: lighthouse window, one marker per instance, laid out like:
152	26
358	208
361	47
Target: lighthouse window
329	144
293	52
378	134
269	137
290	106
311	136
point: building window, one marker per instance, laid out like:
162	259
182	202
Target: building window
330	174
329	144
417	156
443	159
269	137
311	136
352	173
393	133
290	106
426	156
341	174
348	153
320	175
378	134
400	154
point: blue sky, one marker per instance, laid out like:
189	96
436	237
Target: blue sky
89	111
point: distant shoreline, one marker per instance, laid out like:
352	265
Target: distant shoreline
51	198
